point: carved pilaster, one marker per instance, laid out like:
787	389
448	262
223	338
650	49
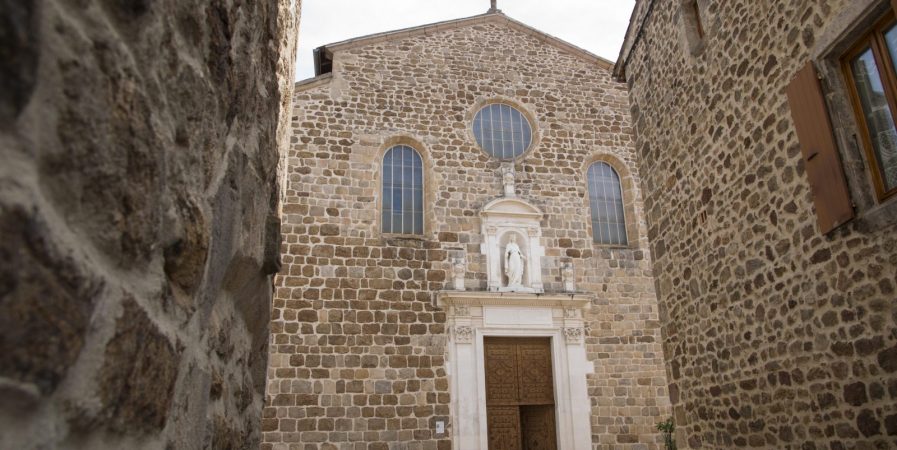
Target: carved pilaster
463	335
573	335
532	231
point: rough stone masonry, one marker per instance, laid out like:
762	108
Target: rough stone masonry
138	219
358	352
776	336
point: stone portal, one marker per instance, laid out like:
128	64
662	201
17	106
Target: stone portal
517	365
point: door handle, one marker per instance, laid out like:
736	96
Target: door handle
812	155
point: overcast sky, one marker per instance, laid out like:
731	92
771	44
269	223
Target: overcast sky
595	25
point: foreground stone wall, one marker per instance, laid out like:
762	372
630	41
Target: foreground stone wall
138	219
358	353
775	336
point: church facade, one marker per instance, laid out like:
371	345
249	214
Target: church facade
465	260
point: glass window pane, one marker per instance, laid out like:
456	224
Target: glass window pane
407	222
397	204
888	154
891	41
396	222
606	203
502	131
387	201
402	191
877	112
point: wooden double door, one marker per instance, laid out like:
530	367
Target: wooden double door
519	394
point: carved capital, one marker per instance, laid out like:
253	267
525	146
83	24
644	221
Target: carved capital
463	335
573	335
532	231
491	230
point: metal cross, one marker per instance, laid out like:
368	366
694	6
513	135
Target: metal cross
494	6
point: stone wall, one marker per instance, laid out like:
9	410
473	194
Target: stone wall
775	335
358	352
138	219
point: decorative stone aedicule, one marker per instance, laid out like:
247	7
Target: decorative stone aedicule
511	244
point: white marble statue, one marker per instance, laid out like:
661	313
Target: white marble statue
568	277
514	263
507	180
459	269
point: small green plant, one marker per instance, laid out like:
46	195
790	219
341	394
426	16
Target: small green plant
667	427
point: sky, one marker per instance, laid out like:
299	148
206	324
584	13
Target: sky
595	25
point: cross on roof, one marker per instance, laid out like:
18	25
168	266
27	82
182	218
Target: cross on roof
494	6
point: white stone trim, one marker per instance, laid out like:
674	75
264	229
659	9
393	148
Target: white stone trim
555	316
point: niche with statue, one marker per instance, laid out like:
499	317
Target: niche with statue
512	231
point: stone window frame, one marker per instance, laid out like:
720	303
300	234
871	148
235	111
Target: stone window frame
527	113
694	26
627	186
429	188
834	41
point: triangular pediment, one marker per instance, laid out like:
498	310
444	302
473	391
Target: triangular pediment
511	206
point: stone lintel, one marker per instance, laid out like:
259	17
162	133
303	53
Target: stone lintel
445	299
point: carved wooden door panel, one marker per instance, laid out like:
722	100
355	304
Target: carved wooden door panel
519	394
503	424
501	372
538	423
536	386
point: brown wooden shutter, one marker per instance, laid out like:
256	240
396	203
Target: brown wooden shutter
817	144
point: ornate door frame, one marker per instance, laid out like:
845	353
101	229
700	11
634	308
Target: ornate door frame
475	315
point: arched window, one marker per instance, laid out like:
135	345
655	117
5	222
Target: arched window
606	202
403	191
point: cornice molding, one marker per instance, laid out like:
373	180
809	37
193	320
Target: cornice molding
445	299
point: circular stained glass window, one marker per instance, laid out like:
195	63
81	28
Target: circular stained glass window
502	131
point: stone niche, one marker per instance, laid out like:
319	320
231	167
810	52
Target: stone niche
506	221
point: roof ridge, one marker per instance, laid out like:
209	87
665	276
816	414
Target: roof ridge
346	42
